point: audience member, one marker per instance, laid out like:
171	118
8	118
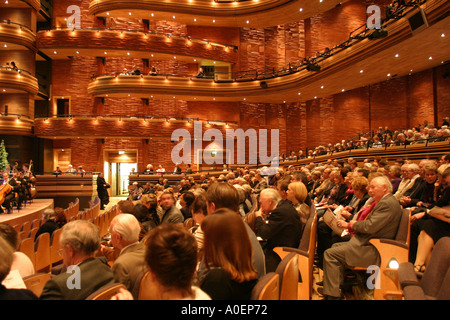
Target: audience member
170	213
124	230
227	257
21	261
85	274
171	258
49	225
380	220
278	224
223	195
186	200
6	260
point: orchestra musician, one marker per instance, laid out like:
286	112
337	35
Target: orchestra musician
19	187
8	196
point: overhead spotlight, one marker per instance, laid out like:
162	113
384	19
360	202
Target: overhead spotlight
313	67
378	34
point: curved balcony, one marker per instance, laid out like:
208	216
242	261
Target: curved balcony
118	126
20	81
35	4
357	62
15	124
14	35
95	42
253	14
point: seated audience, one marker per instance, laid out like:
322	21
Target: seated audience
227	255
151	203
85	274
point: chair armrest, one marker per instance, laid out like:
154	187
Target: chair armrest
284	251
407	275
414	293
394	243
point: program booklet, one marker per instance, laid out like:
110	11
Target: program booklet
332	217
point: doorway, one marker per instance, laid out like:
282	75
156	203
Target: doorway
117	168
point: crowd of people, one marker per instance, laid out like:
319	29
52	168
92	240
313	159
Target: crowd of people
378	138
239	217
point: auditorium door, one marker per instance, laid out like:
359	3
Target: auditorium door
117	168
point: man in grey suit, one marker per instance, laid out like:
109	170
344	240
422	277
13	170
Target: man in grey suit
125	229
381	222
85	274
170	213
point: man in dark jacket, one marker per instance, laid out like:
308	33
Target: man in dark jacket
278	224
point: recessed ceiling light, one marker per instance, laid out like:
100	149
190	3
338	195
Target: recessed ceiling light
388	74
107	13
152	14
214	21
173	17
321	87
301	9
361	71
443	35
54	52
430	58
248	21
195	19
129	13
396	55
299	93
343	90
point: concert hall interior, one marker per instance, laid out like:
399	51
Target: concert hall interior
156	95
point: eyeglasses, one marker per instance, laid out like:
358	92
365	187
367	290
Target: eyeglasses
60	252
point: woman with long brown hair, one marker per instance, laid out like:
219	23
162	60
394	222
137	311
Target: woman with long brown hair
227	257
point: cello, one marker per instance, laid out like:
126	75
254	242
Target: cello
4	191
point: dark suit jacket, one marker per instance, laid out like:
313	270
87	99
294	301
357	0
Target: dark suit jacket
283	229
16	294
93	274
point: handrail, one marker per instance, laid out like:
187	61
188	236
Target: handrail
18	70
16	23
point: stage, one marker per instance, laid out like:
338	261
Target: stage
32	211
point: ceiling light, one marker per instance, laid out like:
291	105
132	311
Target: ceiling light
396	55
301	9
361	71
430	58
443	35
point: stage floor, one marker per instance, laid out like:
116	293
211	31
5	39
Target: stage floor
31	211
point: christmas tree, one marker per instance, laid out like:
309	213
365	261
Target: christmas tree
3	157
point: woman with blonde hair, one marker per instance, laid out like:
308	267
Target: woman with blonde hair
297	193
227	257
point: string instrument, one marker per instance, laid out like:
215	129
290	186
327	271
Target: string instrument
4	190
32	177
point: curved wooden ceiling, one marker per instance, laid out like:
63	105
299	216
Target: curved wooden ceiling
252	14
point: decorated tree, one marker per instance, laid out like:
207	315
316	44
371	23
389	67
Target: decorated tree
3	157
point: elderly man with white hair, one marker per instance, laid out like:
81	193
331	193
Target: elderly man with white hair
415	181
379	218
124	230
278	224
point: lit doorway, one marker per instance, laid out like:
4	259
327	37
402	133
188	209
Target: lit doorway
117	167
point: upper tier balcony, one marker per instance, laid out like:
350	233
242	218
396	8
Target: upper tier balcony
361	60
63	42
252	14
16	36
20	81
35	4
